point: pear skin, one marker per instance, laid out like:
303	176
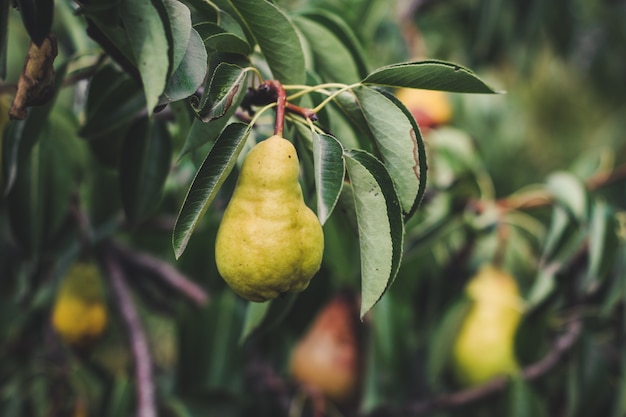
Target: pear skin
269	242
485	345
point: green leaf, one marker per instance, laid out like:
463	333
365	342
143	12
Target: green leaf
396	140
45	180
276	37
344	33
261	317
209	357
603	244
190	74
570	192
329	172
149	45
37	17
105	26
21	135
144	167
113	100
216	39
564	237
333	61
204	9
442	340
120	397
226	88
588	372
255	314
544	285
421	151
177	407
348	104
209	178
559	225
178	29
429	75
381	229
202	133
456	156
522	400
4	30
228	83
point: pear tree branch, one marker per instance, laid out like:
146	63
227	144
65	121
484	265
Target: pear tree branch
166	272
144	380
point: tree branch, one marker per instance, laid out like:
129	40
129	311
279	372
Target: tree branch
467	396
541	197
146	403
170	275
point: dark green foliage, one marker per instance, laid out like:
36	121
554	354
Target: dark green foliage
132	160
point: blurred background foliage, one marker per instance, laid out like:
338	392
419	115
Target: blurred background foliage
531	180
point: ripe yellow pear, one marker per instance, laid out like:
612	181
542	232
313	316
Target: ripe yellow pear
485	345
269	242
328	357
79	314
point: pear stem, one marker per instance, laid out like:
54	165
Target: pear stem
281	102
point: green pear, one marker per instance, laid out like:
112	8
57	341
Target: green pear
269	242
485	345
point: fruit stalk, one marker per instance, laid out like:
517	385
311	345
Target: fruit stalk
281	102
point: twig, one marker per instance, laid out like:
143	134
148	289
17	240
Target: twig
603	179
541	197
302	111
263	380
170	275
562	345
8	89
146	403
467	396
85	234
84	73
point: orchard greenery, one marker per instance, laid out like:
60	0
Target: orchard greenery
129	123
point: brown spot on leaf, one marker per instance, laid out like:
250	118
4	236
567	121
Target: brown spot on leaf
416	166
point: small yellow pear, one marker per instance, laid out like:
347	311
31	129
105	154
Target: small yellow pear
328	357
79	314
269	242
485	345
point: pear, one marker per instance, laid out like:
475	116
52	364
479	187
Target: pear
79	313
269	242
485	345
328	357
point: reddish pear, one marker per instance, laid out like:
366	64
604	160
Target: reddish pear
328	357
